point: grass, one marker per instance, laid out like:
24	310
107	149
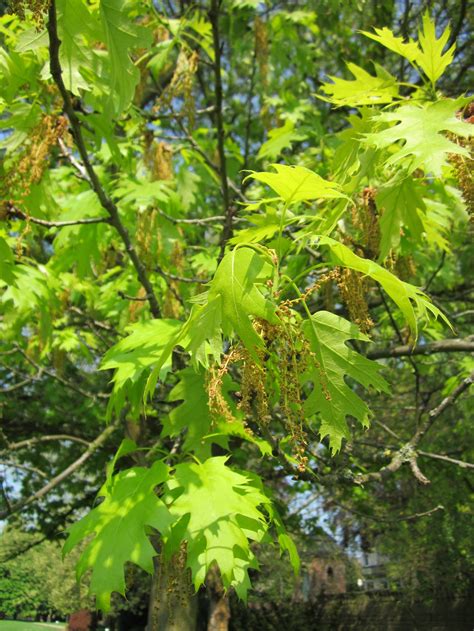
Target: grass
14	625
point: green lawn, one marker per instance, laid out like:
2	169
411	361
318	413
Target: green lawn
7	625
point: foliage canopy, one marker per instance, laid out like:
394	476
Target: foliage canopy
208	295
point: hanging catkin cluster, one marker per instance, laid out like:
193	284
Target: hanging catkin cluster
29	166
405	267
352	288
37	8
262	53
181	85
146	227
159	159
463	167
262	49
218	404
351	284
273	382
172	306
365	218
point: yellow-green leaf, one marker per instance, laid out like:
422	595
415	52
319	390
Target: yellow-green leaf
432	60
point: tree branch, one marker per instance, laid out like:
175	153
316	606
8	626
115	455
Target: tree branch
93	447
387	520
456	345
43	439
228	210
12	211
198	221
460	463
65	382
104	199
438	410
24	467
407	453
17	386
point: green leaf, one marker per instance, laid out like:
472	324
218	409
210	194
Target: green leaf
365	89
32	39
235	284
127	446
162	56
121	35
79	246
223	517
279	139
385	36
7	262
194	416
331	397
346	157
420	128
232	299
432	60
24	117
399	203
295	184
132	359
119	528
411	301
74	21
438	223
265	227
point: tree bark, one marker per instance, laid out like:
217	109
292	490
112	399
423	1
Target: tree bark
219	613
219	607
173	604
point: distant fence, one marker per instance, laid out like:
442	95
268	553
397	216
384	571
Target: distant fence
358	612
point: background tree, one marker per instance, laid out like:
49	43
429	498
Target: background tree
127	128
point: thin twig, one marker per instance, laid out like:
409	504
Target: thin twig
17	386
228	209
13	211
439	409
460	463
198	221
125	296
385	520
105	201
407	453
43	439
456	345
93	447
68	384
183	279
23	467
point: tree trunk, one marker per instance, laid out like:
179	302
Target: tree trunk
219	607
219	613
173	604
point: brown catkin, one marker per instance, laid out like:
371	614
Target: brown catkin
30	165
218	405
352	289
181	84
37	8
172	306
262	49
262	54
405	267
463	166
136	306
146	227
